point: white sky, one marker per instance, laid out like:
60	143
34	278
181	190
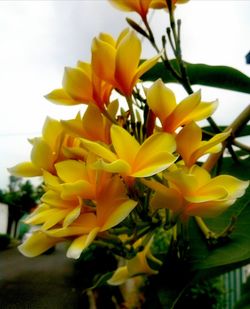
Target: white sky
39	38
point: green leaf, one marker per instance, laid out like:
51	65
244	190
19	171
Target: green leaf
202	74
236	251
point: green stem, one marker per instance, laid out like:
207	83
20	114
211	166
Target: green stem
132	116
205	230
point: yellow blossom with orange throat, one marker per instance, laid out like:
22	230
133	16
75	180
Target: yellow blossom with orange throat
193	192
113	62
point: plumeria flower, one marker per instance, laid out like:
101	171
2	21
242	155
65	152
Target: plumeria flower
92	125
132	159
161	100
113	62
82	86
136	266
110	206
141	6
192	192
45	152
195	148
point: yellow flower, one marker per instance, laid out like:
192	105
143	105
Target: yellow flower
136	266
131	158
113	61
161	100
45	152
141	6
192	192
93	125
82	86
191	147
79	203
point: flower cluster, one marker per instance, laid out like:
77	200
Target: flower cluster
109	172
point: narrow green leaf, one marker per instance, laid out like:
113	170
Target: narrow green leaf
224	77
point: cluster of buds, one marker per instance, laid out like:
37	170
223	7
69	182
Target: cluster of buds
109	172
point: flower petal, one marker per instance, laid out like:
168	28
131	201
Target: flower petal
72	216
118	214
193	134
42	155
119	276
144	67
161	100
80	188
60	96
99	150
124	144
103	59
183	112
117	166
71	170
81	243
38	243
208	209
126	63
25	169
154	164
78	85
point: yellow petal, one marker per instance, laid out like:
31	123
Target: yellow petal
117	166
78	85
126	63
53	199
208	209
201	175
103	59
208	193
235	187
118	215
203	110
167	198
157	163
182	112
124	144
42	155
78	188
139	265
55	217
99	150
51	181
206	146
107	38
72	216
25	169
129	5
92	123
52	131
144	67
193	134
154	155
38	243
161	100
81	243
86	68
71	170
60	96
119	276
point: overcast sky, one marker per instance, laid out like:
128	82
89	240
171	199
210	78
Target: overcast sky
39	38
